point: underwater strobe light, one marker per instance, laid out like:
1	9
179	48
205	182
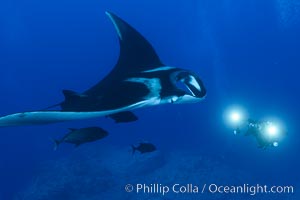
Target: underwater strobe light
235	116
272	132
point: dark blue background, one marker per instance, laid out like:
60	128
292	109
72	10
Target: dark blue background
246	52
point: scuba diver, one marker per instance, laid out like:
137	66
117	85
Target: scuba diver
265	132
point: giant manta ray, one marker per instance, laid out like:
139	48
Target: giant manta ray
139	79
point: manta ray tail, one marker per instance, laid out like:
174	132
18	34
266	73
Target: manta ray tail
68	94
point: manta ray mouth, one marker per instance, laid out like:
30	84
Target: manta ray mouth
190	84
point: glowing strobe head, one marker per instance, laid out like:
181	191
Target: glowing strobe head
272	130
235	116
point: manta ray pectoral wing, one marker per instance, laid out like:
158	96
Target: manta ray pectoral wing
136	56
136	53
47	117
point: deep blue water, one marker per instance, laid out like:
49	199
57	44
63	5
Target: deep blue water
246	53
